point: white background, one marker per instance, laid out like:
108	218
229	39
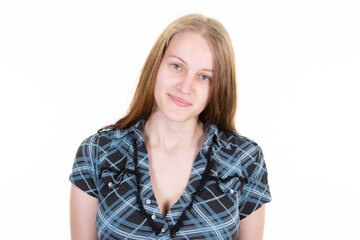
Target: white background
67	68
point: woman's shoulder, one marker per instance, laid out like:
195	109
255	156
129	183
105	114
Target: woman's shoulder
105	137
237	155
235	141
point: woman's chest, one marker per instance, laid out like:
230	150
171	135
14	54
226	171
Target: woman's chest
128	209
169	176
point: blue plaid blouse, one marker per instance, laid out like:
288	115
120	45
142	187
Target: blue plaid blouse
228	181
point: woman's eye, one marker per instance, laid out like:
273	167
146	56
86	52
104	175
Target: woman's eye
176	66
204	77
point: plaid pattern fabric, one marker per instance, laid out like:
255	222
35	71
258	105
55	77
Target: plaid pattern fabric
228	181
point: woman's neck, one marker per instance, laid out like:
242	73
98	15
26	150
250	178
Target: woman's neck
170	135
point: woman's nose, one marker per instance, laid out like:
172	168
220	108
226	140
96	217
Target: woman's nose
186	84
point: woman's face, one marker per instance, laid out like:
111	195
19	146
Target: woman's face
183	81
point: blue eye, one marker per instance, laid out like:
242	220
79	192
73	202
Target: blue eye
176	66
204	77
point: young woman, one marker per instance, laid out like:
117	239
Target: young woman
174	167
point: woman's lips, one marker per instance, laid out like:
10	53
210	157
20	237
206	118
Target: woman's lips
179	101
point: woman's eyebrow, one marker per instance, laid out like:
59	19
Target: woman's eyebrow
204	69
207	70
174	56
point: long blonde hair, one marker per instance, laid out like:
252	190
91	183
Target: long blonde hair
222	104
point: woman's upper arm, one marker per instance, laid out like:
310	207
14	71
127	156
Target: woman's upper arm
83	210
252	227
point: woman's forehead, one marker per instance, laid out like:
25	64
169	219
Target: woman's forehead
189	47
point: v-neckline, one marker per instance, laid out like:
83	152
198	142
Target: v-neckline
187	191
185	202
200	174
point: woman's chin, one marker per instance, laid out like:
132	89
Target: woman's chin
180	117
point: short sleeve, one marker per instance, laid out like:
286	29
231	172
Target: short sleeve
256	191
84	171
